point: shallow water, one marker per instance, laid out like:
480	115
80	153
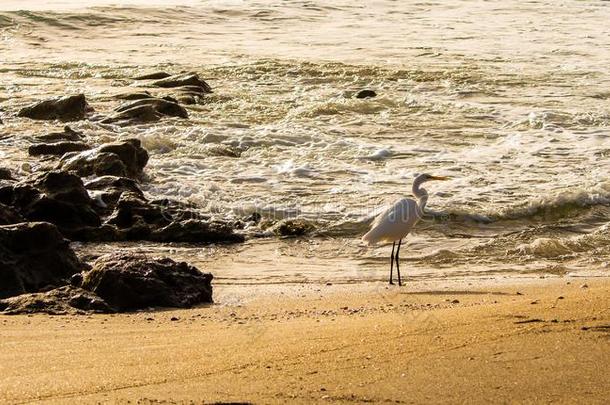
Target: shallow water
511	99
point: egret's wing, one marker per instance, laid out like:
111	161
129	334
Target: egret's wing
394	223
383	214
394	211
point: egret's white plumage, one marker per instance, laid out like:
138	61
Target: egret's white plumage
393	224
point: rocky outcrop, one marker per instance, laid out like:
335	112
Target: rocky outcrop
60	301
68	135
159	221
57	148
9	215
108	208
131	217
36	266
34	256
181	80
123	159
5	174
111	207
196	231
135	218
116	283
138	95
68	108
189	95
127	282
56	197
152	76
108	189
179	210
143	110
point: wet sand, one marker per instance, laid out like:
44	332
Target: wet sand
528	340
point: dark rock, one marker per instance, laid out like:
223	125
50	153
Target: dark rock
8	193
68	108
187	79
98	164
152	76
68	135
169	98
135	115
140	95
366	94
194	231
129	282
76	280
60	301
164	106
57	148
33	256
104	233
179	210
62	200
253	218
191	90
56	197
110	188
113	182
136	218
146	110
5	174
123	159
8	215
162	221
189	95
292	227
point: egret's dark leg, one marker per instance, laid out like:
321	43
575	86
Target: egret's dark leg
397	262
392	262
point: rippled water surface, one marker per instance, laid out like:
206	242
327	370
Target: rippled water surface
510	98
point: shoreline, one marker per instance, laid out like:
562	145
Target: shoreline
270	261
319	344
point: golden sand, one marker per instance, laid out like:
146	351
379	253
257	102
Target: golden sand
540	341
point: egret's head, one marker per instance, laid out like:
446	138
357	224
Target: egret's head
422	178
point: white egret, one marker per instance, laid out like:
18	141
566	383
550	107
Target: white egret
396	222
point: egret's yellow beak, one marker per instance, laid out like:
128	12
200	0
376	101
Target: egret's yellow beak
440	178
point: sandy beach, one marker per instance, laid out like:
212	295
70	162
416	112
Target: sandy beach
187	186
533	341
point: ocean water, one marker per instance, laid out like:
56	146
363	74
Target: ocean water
509	98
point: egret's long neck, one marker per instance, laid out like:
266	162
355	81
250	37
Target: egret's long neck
422	196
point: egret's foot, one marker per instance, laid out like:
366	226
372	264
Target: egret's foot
391	283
